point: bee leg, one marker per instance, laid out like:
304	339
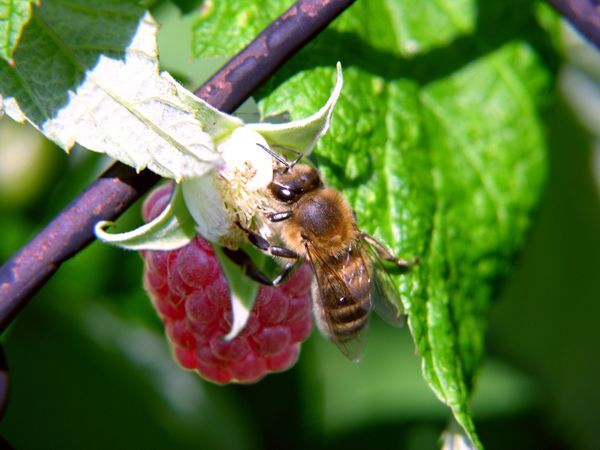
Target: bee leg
262	244
385	254
280	216
241	258
287	271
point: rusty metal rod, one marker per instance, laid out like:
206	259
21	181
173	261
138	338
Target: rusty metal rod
583	15
304	20
113	192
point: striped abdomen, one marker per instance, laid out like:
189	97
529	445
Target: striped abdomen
345	295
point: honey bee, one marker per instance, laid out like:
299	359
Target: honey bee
316	223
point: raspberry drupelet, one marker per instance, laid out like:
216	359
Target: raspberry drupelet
191	296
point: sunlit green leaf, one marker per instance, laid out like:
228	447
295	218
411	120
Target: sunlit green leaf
302	135
14	15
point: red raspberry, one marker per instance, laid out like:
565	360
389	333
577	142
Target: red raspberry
191	296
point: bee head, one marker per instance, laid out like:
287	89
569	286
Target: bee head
291	182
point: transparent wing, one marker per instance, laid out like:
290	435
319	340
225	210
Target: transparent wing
332	292
385	296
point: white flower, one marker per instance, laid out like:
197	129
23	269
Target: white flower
235	189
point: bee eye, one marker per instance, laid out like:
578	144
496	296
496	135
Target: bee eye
289	186
283	193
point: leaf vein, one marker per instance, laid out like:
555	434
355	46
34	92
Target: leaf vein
97	11
471	161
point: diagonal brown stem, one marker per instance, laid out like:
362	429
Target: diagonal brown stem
583	15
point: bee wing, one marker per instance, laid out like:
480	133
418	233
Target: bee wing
385	297
329	287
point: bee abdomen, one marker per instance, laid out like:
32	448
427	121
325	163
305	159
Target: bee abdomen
348	317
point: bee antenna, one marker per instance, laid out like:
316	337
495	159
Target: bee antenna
281	159
288	165
298	157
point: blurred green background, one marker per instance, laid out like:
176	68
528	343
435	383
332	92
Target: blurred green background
90	367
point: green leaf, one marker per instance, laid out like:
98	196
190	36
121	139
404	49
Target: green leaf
243	292
87	73
437	143
302	135
14	15
225	27
171	229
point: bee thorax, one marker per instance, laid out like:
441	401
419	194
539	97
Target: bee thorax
326	216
